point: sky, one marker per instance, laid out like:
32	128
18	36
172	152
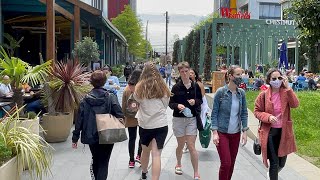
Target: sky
156	30
195	7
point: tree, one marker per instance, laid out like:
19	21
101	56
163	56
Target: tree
207	58
87	50
176	50
196	49
130	26
189	51
306	13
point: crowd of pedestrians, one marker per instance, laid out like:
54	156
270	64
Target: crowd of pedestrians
147	97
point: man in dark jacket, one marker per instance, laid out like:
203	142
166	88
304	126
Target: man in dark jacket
127	70
98	101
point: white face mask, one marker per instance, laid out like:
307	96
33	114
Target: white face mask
276	84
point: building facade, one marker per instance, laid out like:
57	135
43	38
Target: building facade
53	27
115	7
258	9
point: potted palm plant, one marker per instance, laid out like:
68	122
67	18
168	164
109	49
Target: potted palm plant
24	147
21	72
67	86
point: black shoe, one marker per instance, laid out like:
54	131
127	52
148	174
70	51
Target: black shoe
143	176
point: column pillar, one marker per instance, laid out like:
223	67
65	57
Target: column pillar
51	48
296	56
76	28
243	49
1	25
228	55
214	47
232	55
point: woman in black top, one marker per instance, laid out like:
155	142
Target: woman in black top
186	97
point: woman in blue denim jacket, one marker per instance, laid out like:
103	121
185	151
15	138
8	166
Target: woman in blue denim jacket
229	117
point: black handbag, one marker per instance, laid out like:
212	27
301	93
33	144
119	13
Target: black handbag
257	143
257	146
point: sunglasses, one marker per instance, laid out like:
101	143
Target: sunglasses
280	78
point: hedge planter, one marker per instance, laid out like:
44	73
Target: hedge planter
57	126
9	170
32	123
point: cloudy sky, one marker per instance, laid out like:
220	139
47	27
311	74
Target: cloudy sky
156	30
195	7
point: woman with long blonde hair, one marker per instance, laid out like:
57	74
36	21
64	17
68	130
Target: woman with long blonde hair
153	96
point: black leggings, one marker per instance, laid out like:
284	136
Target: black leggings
100	160
276	163
132	142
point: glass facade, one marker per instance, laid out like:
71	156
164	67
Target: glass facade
270	11
225	3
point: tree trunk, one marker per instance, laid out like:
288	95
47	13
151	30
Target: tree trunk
48	92
17	97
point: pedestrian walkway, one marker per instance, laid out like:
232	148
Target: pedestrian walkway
73	164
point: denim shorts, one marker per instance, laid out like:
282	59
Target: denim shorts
183	126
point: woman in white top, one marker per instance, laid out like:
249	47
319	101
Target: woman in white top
153	95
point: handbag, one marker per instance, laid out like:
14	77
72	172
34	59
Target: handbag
257	143
110	129
198	111
205	135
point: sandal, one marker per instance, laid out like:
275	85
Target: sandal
197	178
178	170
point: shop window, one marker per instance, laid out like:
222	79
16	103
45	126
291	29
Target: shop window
270	11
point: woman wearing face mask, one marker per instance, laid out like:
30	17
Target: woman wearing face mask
229	118
272	108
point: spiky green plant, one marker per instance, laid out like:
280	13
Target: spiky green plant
69	84
31	149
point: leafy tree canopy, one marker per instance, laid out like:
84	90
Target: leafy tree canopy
131	27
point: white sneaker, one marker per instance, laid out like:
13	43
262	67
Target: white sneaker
268	177
185	149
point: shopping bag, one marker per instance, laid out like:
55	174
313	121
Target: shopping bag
110	129
205	135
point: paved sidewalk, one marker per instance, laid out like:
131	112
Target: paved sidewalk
71	164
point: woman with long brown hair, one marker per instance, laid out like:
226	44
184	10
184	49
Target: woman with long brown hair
153	95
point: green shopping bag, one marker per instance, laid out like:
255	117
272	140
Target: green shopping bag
205	135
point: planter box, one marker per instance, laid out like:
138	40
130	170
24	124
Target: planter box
9	170
34	123
57	126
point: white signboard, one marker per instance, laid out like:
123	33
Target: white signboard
280	22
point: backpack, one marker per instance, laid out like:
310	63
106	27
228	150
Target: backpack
127	70
132	107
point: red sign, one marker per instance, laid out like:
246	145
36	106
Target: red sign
226	13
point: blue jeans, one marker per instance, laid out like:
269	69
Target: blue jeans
168	78
35	106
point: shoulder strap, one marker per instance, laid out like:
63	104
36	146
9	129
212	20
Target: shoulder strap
195	90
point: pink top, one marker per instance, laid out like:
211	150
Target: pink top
276	101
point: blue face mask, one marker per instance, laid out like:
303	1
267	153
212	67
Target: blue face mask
187	112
